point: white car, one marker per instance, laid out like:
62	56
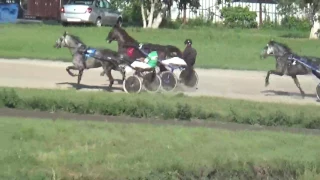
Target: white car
98	12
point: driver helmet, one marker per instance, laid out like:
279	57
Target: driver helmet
188	41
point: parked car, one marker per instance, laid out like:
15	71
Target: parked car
98	12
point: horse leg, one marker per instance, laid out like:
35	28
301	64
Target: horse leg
123	75
107	68
102	73
71	68
80	76
296	81
108	73
272	72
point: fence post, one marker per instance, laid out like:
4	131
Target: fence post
260	13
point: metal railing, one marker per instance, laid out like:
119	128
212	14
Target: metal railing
210	10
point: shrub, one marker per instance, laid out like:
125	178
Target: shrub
239	17
191	23
176	107
294	23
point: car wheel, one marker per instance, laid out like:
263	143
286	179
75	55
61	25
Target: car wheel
98	22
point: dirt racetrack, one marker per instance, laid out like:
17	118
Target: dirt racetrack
212	82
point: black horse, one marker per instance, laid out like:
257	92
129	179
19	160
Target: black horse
285	66
125	41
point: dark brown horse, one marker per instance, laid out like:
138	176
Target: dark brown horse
125	41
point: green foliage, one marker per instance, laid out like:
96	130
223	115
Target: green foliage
239	17
193	4
131	11
290	7
164	107
294	23
191	23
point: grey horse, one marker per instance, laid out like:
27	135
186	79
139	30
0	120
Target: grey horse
284	66
80	61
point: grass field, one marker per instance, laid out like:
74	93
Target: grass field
217	47
42	149
163	107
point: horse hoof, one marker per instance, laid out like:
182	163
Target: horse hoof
266	84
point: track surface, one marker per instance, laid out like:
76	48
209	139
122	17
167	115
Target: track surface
247	85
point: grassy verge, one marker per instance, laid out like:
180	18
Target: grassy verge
41	149
213	44
163	107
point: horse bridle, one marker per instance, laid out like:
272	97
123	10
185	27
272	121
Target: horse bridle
65	42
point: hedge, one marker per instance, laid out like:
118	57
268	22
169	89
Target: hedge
163	107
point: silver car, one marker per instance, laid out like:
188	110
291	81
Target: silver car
98	12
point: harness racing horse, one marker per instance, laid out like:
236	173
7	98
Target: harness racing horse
285	66
124	40
82	62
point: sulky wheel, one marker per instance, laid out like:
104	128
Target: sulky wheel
132	84
191	81
318	91
151	82
168	81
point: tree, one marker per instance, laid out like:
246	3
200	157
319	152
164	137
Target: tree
130	9
312	8
183	4
153	12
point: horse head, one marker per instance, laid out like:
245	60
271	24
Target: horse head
68	40
114	34
274	48
60	42
120	35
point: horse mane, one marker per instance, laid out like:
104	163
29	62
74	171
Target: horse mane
125	35
76	38
284	46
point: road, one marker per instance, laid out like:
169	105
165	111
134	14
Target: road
234	84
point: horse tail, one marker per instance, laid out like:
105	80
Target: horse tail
174	51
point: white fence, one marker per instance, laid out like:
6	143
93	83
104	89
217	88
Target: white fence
209	9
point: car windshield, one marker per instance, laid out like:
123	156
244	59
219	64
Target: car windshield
84	2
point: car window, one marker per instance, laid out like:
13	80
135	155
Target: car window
84	2
108	5
100	4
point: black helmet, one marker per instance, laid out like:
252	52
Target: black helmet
188	41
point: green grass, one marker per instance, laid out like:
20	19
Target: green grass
163	107
41	149
217	47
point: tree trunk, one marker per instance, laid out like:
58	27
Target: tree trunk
315	28
144	20
169	5
150	17
157	21
185	13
